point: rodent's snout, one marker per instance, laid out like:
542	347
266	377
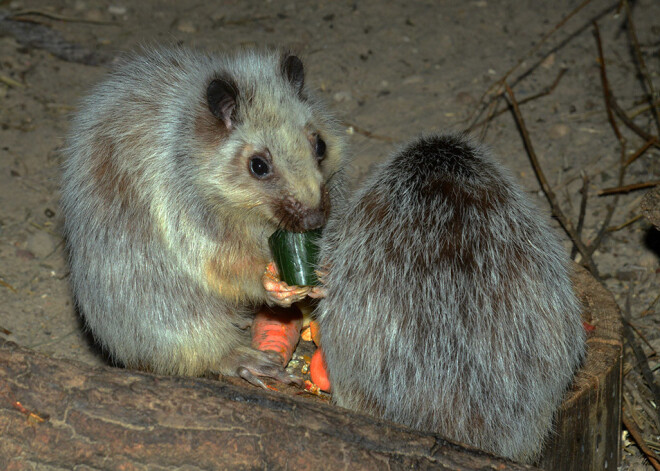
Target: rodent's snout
313	220
295	216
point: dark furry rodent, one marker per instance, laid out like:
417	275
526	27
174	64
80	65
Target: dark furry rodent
179	166
448	302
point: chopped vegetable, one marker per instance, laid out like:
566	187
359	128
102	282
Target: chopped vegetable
306	334
319	372
296	256
315	332
277	330
311	388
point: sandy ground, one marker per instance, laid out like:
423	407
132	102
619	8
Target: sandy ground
394	70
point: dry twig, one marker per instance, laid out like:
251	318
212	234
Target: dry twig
640	109
639	152
53	16
550	195
546	91
364	132
628	188
11	82
643	337
7	285
640	356
634	385
651	307
641	63
583	210
607	93
625	224
623	116
636	435
502	80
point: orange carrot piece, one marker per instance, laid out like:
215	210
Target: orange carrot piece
306	334
315	332
311	388
318	371
277	330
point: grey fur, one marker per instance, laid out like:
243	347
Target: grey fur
449	305
166	228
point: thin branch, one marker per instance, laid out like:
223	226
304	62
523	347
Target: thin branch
625	224
546	91
366	133
501	81
640	151
640	356
583	210
7	285
636	435
633	113
53	16
11	82
496	89
622	142
651	307
641	64
628	188
630	124
643	337
492	111
605	84
550	195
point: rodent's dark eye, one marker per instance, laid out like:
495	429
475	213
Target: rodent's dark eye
319	148
259	167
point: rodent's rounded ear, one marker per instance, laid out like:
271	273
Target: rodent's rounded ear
294	72
221	96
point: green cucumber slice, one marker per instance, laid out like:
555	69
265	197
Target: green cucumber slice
296	256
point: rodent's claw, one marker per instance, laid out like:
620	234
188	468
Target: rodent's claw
278	291
250	378
287	298
265	364
317	292
321	274
290	378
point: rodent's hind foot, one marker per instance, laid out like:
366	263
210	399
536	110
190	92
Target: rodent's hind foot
278	292
253	364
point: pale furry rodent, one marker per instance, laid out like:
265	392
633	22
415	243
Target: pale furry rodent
179	167
448	302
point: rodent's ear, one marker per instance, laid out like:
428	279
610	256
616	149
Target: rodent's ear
221	95
294	72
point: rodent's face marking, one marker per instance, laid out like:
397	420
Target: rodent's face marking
282	184
297	217
267	147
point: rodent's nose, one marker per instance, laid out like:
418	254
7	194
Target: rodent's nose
313	220
296	216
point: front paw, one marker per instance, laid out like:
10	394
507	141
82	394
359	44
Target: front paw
279	292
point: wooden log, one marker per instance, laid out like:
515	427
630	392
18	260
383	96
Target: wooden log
64	414
60	413
650	206
588	424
